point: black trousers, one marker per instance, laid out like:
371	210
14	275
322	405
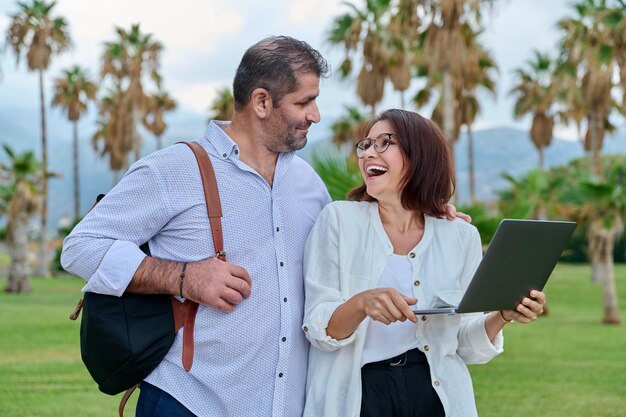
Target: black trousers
399	387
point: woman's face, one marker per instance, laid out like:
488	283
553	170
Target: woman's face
382	172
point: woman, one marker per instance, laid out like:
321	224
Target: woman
370	261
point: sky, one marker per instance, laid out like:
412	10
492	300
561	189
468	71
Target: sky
204	41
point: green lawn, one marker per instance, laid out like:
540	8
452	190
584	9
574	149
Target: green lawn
564	365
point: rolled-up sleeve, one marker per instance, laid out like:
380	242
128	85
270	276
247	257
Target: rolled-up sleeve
103	248
322	281
474	344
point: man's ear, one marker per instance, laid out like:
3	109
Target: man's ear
261	102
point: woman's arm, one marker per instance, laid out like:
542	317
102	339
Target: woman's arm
385	305
525	312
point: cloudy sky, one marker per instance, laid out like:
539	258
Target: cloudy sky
204	41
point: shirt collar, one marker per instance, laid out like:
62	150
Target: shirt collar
222	144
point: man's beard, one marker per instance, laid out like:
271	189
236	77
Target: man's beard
283	138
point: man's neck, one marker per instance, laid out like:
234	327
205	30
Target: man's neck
252	150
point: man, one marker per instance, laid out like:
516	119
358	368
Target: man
250	353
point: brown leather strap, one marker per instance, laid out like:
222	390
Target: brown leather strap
211	196
190	321
125	398
180	312
77	309
214	212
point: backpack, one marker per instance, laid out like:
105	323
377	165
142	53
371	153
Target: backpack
123	339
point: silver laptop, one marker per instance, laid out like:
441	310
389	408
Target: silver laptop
520	257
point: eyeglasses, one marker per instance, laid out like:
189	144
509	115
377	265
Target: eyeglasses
381	143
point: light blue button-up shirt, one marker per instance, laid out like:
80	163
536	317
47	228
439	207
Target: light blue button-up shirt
249	362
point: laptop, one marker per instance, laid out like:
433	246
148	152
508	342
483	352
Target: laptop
520	257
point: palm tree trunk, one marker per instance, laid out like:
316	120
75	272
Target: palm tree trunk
596	170
135	134
43	233
609	293
76	175
541	158
159	141
402	100
448	119
17	245
448	106
470	158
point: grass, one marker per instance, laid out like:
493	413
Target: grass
41	372
565	365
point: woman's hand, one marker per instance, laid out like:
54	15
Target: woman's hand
528	310
386	305
525	312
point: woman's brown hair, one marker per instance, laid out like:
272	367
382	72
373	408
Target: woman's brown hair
429	180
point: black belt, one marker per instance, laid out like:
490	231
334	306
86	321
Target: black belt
410	356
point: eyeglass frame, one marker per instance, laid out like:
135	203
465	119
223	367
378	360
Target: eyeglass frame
386	143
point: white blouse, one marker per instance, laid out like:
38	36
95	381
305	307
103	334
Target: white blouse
345	254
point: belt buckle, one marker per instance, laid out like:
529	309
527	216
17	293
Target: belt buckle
401	361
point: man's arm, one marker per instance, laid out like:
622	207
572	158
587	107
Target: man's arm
453	214
103	248
210	281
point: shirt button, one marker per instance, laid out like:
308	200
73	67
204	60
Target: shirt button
284	339
412	255
236	152
280	375
417	282
424	318
426	348
282	264
224	155
436	383
278	229
285	299
306	329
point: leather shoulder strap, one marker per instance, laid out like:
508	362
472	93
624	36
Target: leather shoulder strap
211	195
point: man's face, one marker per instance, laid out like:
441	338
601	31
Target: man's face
287	125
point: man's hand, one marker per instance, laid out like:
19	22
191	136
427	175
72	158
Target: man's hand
219	284
452	214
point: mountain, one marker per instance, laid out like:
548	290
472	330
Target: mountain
496	151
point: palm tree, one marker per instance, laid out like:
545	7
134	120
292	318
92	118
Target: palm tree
22	180
477	73
445	48
72	91
34	32
536	92
126	61
403	32
340	173
155	108
348	128
532	196
603	207
589	46
617	16
112	137
361	33
223	105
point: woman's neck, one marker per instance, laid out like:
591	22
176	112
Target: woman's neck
399	218
404	228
